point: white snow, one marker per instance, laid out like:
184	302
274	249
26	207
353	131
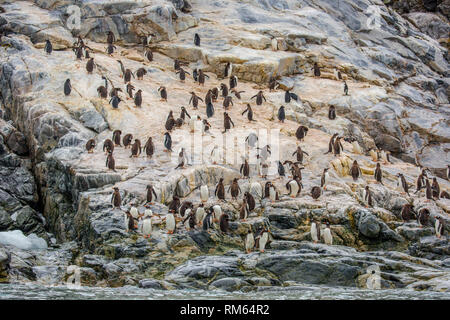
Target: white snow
18	239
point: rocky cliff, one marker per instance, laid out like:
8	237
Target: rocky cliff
394	63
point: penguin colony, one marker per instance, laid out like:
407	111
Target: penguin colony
199	216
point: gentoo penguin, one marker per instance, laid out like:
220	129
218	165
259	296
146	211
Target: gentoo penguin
167	142
90	145
273	193
227	122
121	69
281	170
114	92
90	65
249	241
233	82
182	73
423	217
184	207
48	48
170	121
299	152
116	200
281	114
67	87
140	73
209	110
331	143
355	171
217	212
324	178
227	101
224	89
435	188
189	221
197	40
108	146
194	99
256	189
378	173
163	92
428	191
407	212
294	187
228	69
103	90
316	69
147	223
129	222
402	182
356	148
262	238
223	223
148	54
250	199
272	83
220	190
367	197
205	126
327	236
201	77
138	98
127	75
174	205
259	98
439	227
288	95
110	37
170	223
215	155
245	169
337	146
204	193
345	88
301	132
110	162
373	155
181	159
110	49
315	231
200	214
208	220
234	189
332	112
335	73
385	156
445	195
149	147
249	113
114	101
243	212
421	180
150	193
208	96
127	140
316	192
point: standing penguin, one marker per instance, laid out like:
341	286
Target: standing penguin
423	217
228	69
316	69
197	40
184	207
301	132
209	110
116	200
201	77
428	191
281	170
194	99
136	148
224	89
140	73
217	212
110	37
149	147
249	113
355	171
150	193
204	193
327	236
407	212
259	98
208	220
378	173
220	190
367	197
316	192
171	224
90	65
67	87
288	95
315	231
110	162
331	143
332	112
163	92
337	146
90	145
234	189
281	114
223	223
127	140
114	101
138	98
227	101
243	212
108	146
402	182
273	193
294	187
149	55
200	214
103	90
439	227
345	88
324	178
48	48
435	188
262	238
249	241
182	73
167	142
147	224
299	152
233	82
245	169
227	122
250	199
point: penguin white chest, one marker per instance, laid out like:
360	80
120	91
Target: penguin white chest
356	147
217	212
147	227
314	232
204	193
170	222
263	241
294	188
249	242
272	194
200	214
327	236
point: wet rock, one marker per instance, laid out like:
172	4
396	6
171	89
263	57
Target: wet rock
228	284
151	284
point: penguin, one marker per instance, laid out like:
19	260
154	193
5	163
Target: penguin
103	90
67	87
272	83
337	146
149	55
174	204
428	191
237	93
220	190
421	180
223	223
197	40
439	227
184	113
167	142
367	196
208	220
205	126
110	162
332	113
184	207
121	69
129	222
111	37
445	195
355	171
327	236
149	147
299	152
288	95
215	155
127	140
114	92
138	99
114	101
147	224
249	113
385	156
134	213
209	110
150	193
90	65
301	132
189	221
136	149
356	148
250	199
315	231
316	192
281	114
273	193
116	199
243	212
194	99
108	146
181	159
233	82
295	169
208	97
171	224
110	49
264	170
217	212
182	73
256	189
227	122
204	193
140	73
193	123
331	143
423	217
249	241
316	69
48	48
245	169
163	92
215	94
335	73
345	88
195	75
200	214
402	182
324	178
228	69
201	77
234	189
227	101
177	64
261	239
265	152
127	75
90	145
259	98
281	170
294	187
407	212
378	174
435	188
251	139
170	122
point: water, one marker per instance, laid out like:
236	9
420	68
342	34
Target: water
37	291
